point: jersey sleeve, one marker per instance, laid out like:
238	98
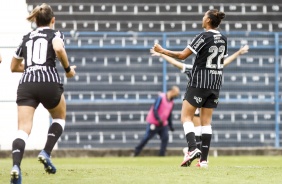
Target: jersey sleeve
197	43
59	35
186	68
19	51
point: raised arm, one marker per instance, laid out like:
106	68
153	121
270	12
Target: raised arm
169	59
175	54
231	58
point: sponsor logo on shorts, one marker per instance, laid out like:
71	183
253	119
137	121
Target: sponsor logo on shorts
198	99
216	101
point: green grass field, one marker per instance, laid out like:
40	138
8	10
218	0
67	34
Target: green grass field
149	170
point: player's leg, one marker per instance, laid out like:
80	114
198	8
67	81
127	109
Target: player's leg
52	98
187	114
150	132
56	129
206	117
198	128
25	119
26	108
163	133
194	98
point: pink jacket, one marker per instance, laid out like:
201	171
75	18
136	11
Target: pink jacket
164	110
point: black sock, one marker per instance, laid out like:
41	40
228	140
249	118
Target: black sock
198	141
54	133
18	151
206	141
190	137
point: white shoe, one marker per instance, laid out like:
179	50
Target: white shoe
203	164
190	156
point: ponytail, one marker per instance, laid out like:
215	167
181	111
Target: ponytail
216	17
41	15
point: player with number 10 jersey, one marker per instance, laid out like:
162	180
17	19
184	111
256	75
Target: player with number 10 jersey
40	59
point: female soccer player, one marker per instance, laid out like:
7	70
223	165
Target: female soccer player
204	85
186	68
40	83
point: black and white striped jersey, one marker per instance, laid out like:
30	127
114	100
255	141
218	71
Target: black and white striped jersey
39	56
187	70
210	48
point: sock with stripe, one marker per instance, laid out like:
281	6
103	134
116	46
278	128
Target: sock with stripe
54	133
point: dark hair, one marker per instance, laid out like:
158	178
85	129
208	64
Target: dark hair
216	17
41	15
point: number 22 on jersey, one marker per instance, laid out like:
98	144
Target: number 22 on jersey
215	52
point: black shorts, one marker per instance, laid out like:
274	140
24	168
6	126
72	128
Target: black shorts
46	93
199	97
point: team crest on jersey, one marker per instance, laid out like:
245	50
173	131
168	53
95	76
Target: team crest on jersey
198	99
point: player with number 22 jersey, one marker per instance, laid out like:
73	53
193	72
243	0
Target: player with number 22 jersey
210	48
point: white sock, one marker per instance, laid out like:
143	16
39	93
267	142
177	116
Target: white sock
188	127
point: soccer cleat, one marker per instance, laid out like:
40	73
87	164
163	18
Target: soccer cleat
44	158
203	164
16	176
190	156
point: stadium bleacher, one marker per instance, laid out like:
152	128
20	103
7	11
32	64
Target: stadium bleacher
117	79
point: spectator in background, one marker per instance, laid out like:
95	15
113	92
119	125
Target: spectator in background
159	120
186	68
40	83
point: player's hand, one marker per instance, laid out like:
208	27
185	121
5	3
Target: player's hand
71	73
158	48
160	122
154	53
244	49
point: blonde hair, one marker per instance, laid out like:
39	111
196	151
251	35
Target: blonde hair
41	15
